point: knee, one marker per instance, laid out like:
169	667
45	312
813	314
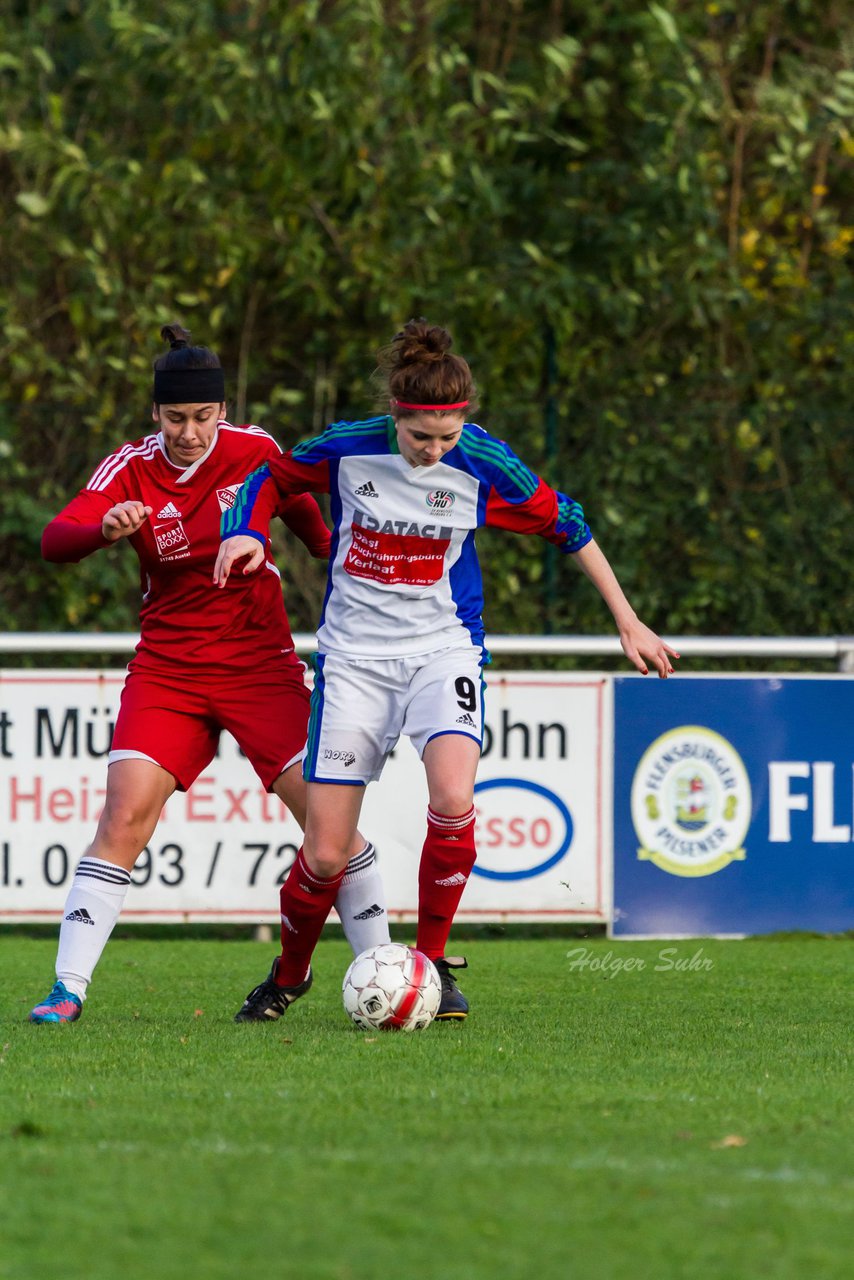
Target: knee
451	801
325	860
126	821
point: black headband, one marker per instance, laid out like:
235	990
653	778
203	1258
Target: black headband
189	386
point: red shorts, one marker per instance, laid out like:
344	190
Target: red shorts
176	720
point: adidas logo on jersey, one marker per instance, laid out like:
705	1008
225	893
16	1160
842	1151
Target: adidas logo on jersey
465	719
80	916
449	881
367	491
169	512
370	913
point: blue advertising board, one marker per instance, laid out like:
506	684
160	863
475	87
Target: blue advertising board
733	805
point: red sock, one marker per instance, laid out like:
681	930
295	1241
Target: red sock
305	902
446	862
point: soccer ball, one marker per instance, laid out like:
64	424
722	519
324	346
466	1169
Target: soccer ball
392	987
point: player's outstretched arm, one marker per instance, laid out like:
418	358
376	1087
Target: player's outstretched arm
239	547
640	645
124	519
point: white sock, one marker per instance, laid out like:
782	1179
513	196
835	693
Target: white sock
361	902
92	908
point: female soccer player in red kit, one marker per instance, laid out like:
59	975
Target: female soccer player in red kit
401	639
206	661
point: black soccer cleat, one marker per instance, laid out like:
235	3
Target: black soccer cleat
268	1001
453	1006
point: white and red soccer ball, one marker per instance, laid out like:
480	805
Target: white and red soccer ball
392	987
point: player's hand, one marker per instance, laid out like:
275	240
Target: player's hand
124	519
644	648
240	547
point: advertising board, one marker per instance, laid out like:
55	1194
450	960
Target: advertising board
222	849
733	805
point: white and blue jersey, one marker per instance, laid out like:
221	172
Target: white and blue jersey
404	577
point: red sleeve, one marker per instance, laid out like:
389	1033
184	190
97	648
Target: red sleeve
76	531
554	516
303	517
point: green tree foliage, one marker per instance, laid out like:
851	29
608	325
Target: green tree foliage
636	218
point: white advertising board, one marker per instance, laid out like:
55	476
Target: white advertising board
222	849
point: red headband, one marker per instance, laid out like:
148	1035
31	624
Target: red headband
431	408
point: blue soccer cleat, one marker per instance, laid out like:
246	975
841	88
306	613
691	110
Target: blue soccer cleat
453	1006
60	1006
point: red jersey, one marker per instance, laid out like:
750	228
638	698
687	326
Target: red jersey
186	623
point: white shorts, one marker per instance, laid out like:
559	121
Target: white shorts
361	706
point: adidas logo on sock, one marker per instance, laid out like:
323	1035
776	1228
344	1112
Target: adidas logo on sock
169	512
370	913
286	922
456	878
465	719
80	916
367	491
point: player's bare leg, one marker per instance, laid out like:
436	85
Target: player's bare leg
361	902
290	787
448	856
451	761
331	825
137	790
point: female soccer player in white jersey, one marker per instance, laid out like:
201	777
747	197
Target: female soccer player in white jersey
401	641
206	661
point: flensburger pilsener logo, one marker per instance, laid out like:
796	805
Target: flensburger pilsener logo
691	802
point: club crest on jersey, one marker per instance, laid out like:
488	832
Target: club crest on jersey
226	497
440	500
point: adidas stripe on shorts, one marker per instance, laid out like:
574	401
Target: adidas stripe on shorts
361	706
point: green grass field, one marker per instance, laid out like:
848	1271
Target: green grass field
644	1121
